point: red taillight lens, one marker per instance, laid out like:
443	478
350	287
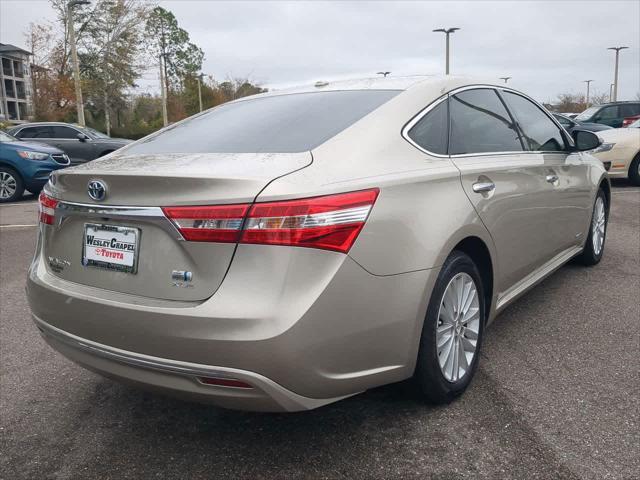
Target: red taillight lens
332	222
220	223
47	208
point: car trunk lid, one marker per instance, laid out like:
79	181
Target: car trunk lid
125	243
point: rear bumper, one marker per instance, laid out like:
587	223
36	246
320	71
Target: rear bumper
177	378
303	327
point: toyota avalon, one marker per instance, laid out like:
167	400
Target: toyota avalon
290	249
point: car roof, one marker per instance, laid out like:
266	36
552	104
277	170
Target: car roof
36	124
621	102
402	83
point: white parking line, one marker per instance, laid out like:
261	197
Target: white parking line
626	191
16	204
19	226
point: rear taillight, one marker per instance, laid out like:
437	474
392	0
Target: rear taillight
220	223
47	208
331	222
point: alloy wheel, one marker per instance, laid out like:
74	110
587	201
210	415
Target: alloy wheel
8	185
598	225
458	327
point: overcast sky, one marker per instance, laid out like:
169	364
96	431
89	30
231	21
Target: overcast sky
548	47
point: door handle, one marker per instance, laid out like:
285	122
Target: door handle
480	187
552	178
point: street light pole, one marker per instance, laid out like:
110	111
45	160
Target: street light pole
447	32
611	92
506	79
615	75
588	82
74	58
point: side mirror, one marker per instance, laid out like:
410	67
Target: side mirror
585	140
82	137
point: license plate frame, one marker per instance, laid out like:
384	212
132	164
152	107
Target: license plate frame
111	252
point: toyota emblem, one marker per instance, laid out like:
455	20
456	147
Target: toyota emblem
97	190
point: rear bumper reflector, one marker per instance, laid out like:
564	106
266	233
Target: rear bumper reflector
224	382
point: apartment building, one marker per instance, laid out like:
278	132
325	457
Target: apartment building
16	101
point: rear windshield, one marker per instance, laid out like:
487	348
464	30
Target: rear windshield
277	124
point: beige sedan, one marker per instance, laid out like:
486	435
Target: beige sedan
287	250
620	151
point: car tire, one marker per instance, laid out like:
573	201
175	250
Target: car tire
594	246
438	371
34	191
11	185
634	170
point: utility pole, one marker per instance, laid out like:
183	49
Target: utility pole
611	92
200	90
74	58
506	79
165	119
615	74
588	82
447	32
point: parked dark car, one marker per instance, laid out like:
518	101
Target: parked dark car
26	165
569	124
612	114
80	143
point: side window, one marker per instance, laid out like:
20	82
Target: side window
432	131
563	121
481	123
538	130
35	132
64	132
607	113
630	110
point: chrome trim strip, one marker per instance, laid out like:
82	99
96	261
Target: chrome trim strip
436	102
534	277
153	215
287	399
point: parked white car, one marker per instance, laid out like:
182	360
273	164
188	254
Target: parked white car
620	152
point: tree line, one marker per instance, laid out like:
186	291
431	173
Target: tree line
119	42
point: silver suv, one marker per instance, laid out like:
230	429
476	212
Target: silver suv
290	249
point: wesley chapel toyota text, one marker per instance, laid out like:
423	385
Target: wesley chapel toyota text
287	250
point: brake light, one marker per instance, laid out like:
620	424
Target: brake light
331	222
47	209
220	223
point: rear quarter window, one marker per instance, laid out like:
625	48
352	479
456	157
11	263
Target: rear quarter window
431	132
272	124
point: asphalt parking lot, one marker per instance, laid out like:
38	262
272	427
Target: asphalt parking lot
556	396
